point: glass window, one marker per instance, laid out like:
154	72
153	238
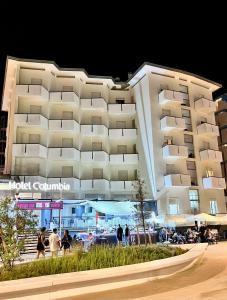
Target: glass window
213	207
194	201
173	206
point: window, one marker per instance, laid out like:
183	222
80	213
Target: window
120	101
67	142
96	120
122	149
36	81
209	173
213	207
170	169
168	140
123	175
96	95
67	171
166	112
188	141
96	146
97	173
205	146
194	201
173	206
34	138
67	115
191	167
67	88
120	124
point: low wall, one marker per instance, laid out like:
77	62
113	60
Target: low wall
78	283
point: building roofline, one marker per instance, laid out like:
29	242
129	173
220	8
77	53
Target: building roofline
110	77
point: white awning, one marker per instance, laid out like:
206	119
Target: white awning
113	207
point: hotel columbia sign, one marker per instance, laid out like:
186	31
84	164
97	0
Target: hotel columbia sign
38	186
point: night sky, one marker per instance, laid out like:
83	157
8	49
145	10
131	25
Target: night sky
118	40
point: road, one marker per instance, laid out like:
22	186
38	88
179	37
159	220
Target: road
206	280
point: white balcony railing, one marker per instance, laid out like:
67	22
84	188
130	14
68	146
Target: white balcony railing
116	159
208	129
172	123
214	183
32	90
70	125
211	155
174	152
94	104
122	186
73	182
129	108
29	150
205	105
169	96
31	120
177	180
64	97
94	130
123	133
32	179
95	156
63	154
95	184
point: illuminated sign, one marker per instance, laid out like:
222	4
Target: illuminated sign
40	205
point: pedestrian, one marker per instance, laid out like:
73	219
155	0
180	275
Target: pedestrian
40	242
127	234
54	241
119	234
66	242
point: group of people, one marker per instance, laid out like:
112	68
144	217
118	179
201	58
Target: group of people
123	233
191	235
54	241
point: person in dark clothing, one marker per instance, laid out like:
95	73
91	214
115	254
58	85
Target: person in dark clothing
40	242
119	234
202	231
127	234
66	241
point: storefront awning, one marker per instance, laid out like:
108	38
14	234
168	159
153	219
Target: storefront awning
113	207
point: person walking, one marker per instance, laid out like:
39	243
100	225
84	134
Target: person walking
119	234
54	241
127	234
66	242
40	242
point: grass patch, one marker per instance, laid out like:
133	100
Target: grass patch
98	257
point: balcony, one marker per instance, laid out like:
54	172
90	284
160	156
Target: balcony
95	156
69	125
73	182
94	130
98	104
95	184
172	123
130	159
35	120
205	105
214	183
32	179
172	97
208	129
32	90
177	180
122	186
123	133
63	154
174	152
29	150
211	155
129	108
64	97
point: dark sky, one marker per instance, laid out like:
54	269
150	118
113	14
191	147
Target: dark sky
118	40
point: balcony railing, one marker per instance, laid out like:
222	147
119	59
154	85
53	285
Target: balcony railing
94	130
32	90
125	133
205	105
129	108
117	159
172	123
169	96
31	120
64	125
177	180
122	186
63	154
32	179
174	152
94	104
214	183
211	155
207	128
95	156
29	150
94	184
64	97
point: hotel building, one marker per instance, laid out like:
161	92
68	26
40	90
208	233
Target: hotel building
97	134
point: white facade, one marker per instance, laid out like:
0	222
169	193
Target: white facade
96	135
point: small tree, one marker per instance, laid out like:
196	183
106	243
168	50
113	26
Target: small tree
139	186
13	221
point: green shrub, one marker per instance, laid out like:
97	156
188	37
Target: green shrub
98	257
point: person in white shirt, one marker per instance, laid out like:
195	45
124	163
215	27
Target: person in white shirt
54	240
